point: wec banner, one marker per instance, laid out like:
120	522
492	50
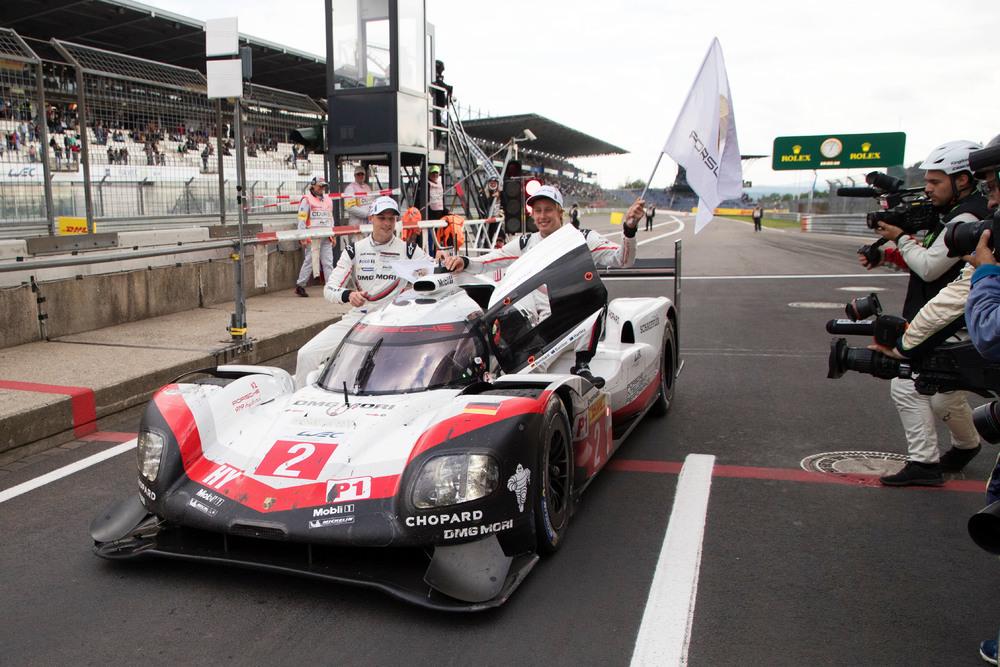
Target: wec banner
703	140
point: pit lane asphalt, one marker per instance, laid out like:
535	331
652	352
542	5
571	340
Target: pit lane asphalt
791	572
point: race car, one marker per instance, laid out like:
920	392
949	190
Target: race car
436	457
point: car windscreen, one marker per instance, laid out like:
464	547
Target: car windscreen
390	360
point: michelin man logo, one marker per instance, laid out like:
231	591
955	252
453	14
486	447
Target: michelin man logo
518	483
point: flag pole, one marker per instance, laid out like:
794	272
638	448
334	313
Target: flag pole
655	167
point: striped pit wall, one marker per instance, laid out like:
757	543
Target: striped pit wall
846	225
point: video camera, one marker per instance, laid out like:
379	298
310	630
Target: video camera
963	237
906	208
949	367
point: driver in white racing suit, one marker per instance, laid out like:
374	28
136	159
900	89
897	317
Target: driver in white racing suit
547	212
364	277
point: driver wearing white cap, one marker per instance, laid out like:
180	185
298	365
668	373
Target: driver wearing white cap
364	277
547	212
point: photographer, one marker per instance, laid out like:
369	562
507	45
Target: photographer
951	188
982	310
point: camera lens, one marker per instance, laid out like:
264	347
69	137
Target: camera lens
962	237
984	528
987	421
864	307
862	360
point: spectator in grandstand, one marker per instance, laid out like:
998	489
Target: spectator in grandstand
112	156
57	152
435	194
123	156
74	149
315	210
118	136
354	206
205	153
32	153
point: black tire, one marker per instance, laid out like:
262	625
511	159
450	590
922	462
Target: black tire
554	498
668	374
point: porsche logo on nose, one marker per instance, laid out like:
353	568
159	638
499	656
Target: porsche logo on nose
269	502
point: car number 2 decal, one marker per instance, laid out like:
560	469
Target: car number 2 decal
296	460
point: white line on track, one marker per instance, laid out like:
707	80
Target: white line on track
680	228
665	632
675	220
59	473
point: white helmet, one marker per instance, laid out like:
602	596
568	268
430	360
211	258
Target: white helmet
951	157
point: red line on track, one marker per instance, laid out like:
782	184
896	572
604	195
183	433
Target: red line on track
786	475
82	403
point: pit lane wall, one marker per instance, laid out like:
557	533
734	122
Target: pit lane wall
45	304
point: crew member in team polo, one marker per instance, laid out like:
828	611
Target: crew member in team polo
355	206
364	277
315	210
547	212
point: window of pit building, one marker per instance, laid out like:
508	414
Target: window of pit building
411	46
361	55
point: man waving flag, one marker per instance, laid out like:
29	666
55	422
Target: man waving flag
703	140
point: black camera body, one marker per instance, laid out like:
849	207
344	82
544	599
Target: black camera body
963	237
906	208
913	214
949	367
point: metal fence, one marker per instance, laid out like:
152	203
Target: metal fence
23	136
109	137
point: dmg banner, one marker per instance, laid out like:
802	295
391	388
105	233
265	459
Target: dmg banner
838	151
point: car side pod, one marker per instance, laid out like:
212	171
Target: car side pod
471	572
120	520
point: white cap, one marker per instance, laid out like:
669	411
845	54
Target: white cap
549	192
384	204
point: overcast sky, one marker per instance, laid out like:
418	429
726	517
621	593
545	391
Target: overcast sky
620	70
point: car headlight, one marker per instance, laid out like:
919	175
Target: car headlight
149	450
454	479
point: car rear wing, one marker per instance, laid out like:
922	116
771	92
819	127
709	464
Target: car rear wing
655	267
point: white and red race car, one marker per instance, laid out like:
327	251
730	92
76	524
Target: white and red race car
437	455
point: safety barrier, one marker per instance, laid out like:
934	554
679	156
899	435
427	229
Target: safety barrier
847	225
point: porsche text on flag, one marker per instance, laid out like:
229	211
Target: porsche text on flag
703	140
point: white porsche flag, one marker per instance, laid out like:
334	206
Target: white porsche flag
703	140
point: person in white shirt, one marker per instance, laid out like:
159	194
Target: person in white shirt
547	212
435	195
315	210
365	278
356	208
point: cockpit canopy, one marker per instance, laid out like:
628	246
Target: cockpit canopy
376	359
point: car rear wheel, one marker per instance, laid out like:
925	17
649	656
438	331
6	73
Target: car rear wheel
554	500
668	373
